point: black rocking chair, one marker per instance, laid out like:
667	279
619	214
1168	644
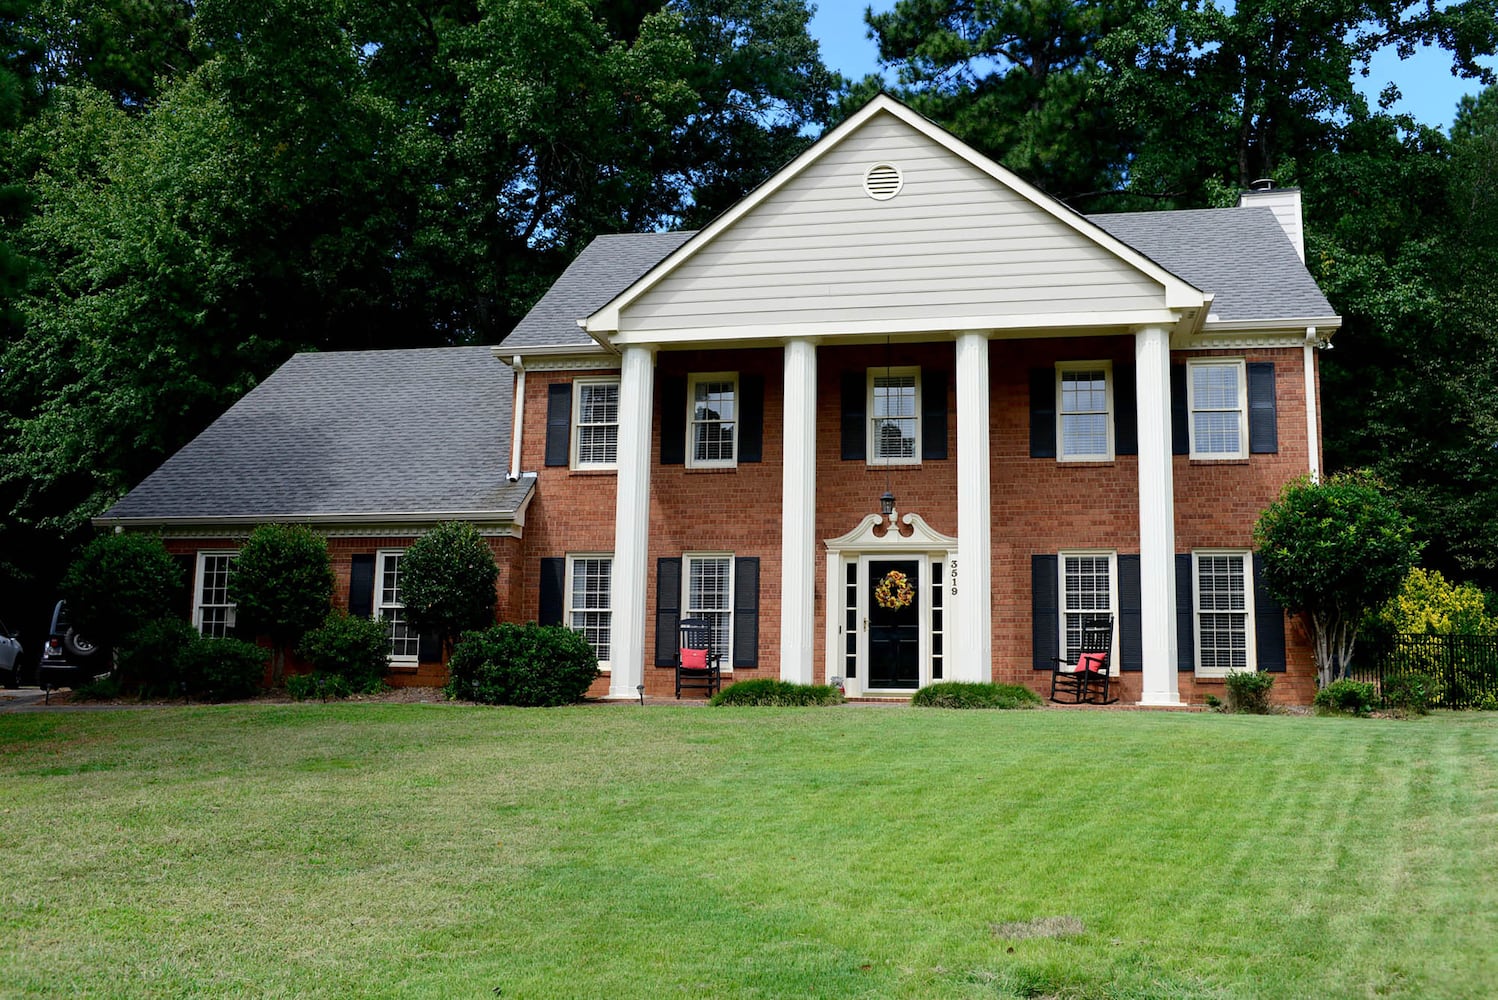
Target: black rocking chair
698	665
1086	679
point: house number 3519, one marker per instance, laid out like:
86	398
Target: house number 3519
954	575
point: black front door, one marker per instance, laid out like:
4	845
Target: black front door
894	623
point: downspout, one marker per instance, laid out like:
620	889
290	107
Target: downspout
517	423
1313	444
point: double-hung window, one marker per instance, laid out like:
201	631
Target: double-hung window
1217	397
595	419
213	612
590	601
1084	411
405	642
894	416
1087	589
709	595
1223	611
712	402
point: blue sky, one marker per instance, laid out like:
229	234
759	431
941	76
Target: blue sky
1430	91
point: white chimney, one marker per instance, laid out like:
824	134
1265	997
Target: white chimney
1284	203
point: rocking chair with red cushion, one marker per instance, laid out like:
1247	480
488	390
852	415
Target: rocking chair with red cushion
698	665
1086	679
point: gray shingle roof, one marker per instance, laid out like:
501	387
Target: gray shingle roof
1240	254
608	266
351	433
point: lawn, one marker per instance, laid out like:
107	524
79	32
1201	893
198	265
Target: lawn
448	851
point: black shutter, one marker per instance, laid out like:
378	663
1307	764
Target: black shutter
1263	430
429	646
855	416
1180	437
361	583
1043	416
187	583
558	423
746	612
1185	614
1130	615
667	611
1125	411
673	420
1269	624
1044	613
553	582
751	418
933	414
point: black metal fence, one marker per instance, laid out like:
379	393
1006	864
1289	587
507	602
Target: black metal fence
1464	667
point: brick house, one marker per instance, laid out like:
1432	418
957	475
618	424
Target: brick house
1070	414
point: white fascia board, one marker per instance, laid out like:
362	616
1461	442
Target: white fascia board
485	517
1179	294
1321	323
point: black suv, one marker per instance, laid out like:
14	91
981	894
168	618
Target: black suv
68	659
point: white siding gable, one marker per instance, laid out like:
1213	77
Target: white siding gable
955	244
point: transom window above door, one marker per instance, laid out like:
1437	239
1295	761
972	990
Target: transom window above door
712	420
894	416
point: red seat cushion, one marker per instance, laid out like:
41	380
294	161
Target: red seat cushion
1091	662
694	659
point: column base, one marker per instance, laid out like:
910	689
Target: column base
1162	700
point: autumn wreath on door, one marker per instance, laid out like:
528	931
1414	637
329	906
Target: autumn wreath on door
894	591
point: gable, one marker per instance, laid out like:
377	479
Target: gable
958	247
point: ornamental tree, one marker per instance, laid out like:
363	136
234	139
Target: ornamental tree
447	581
282	586
1334	550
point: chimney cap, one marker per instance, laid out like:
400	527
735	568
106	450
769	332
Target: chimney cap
1262	184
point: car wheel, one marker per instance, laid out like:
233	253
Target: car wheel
78	646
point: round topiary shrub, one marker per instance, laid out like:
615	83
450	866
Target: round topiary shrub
532	666
962	694
1344	697
769	691
118	584
355	650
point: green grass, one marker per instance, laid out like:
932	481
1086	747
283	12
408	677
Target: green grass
447	851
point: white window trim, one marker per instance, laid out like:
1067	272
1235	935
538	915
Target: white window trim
686	594
870	445
1242	367
577	409
1251	658
1061	612
604	666
697	377
406	660
1106	367
199	571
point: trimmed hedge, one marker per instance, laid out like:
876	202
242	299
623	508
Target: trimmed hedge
768	691
355	650
151	659
224	669
533	666
964	694
1345	697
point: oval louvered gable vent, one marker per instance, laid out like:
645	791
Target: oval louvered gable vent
883	181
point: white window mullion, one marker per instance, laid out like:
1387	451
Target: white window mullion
894	408
590	602
405	642
213	613
1217	397
712	420
1084	411
595	424
709	594
1224	612
1088	587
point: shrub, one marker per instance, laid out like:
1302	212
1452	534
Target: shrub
1345	697
447	581
106	688
1412	694
769	691
1248	692
960	694
1429	604
118	584
281	586
1214	703
354	649
151	658
302	687
223	669
527	665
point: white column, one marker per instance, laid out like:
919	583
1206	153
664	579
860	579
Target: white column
631	523
973	632
798	514
1157	533
518	420
1313	442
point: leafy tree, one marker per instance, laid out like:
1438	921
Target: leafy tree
118	584
281	586
1428	603
447	581
1334	550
